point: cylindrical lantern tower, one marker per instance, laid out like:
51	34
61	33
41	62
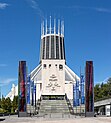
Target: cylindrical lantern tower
52	40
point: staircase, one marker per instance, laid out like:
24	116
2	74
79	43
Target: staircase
53	107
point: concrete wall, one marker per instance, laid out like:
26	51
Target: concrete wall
69	90
53	80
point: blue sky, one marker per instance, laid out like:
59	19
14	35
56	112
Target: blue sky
87	35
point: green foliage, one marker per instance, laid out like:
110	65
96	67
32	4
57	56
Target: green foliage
8	106
15	104
102	91
0	102
2	110
3	106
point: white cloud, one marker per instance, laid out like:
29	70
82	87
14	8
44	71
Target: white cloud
34	4
103	10
3	5
77	7
3	65
7	81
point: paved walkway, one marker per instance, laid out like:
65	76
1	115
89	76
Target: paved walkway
15	119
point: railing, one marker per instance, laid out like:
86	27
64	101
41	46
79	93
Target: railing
8	114
69	105
38	105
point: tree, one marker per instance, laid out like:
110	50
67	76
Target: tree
6	105
15	103
3	103
96	92
109	81
102	91
0	102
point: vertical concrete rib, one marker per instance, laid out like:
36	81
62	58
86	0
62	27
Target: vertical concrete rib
45	48
46	27
55	38
62	48
45	39
41	50
59	38
50	40
43	28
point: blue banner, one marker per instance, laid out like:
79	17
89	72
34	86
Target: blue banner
77	93
82	89
28	90
35	94
32	91
74	95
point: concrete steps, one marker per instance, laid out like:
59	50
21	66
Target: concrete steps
54	107
30	109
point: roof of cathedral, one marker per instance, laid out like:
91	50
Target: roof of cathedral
36	74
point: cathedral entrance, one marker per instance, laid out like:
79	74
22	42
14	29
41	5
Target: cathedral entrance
53	97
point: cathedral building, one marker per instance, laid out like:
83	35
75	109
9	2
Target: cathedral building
52	77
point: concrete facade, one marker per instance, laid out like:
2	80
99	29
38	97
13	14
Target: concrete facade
53	79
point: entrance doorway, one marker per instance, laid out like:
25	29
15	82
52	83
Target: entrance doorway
53	97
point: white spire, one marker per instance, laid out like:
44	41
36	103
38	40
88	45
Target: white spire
62	27
43	27
58	26
46	27
54	26
50	24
